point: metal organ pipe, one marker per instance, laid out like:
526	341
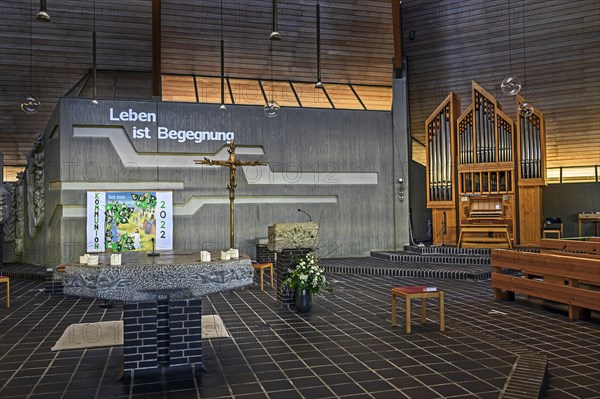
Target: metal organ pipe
438	155
443	151
431	165
449	161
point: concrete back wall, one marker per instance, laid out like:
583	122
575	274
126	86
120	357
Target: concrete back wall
566	201
335	164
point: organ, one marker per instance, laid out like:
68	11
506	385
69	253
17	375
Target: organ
484	172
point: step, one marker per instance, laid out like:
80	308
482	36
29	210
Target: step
439	249
471	275
407	257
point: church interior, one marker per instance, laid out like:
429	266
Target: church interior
299	199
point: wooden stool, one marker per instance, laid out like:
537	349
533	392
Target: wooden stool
4	279
262	267
416	292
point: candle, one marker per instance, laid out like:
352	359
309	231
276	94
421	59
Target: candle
115	259
234	253
92	260
204	256
225	255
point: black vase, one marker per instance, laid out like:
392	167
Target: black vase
303	301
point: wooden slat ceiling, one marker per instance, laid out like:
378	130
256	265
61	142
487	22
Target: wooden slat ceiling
455	42
357	47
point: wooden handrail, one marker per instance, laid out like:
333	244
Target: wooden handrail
588	247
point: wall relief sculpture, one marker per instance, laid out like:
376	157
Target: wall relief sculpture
35	186
8	209
4	201
20	214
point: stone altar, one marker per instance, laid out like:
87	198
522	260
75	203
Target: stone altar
179	274
162	302
293	235
290	241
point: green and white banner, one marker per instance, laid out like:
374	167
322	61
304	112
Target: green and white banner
129	221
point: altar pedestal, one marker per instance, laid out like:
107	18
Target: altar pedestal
162	334
162	310
290	241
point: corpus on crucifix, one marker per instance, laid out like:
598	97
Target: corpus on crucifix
232	164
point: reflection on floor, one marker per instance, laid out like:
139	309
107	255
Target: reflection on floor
345	347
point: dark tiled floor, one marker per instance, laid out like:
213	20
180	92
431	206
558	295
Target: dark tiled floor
344	348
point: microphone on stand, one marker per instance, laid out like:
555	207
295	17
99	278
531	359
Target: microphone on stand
153	253
306	213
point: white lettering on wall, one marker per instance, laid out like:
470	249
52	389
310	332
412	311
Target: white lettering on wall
132	116
196	136
165	133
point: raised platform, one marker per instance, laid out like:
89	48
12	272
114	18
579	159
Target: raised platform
427	262
380	267
24	271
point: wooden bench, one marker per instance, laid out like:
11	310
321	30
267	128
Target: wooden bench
486	236
6	280
572	280
589	249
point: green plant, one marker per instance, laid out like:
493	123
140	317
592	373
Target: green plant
307	275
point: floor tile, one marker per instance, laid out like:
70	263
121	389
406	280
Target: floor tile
343	348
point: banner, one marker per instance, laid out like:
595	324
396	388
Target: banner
95	221
130	221
164	220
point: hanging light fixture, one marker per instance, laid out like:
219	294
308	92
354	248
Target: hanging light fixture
94	69
30	105
511	85
222	107
42	15
319	84
525	108
271	109
275	34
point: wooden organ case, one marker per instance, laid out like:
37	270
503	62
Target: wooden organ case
531	165
441	169
478	182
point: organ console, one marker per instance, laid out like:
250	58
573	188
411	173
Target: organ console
476	175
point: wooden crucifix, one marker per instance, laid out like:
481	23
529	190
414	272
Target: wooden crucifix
232	164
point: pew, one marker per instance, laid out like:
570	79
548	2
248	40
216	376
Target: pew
566	278
572	247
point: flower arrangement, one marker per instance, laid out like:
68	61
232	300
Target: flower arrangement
307	275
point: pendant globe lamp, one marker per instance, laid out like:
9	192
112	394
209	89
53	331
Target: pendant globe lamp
222	107
272	108
94	66
319	84
42	15
525	108
275	33
511	85
30	104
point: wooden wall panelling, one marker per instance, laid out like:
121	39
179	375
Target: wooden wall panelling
530	215
457	41
356	42
357	46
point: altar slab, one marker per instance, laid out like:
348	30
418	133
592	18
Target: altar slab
141	278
